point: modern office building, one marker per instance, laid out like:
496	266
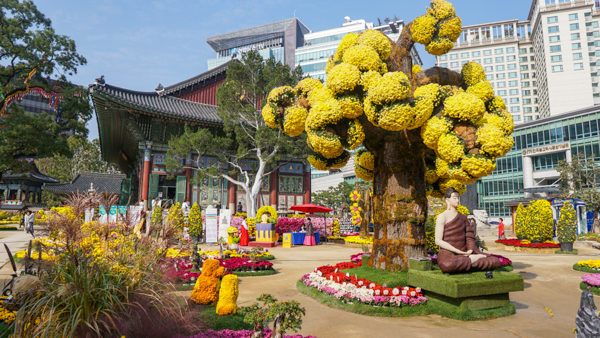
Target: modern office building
277	40
319	46
529	169
542	66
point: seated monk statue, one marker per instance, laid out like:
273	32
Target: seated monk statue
455	236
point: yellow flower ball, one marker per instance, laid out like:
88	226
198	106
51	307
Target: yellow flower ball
478	166
473	73
464	107
416	69
369	79
350	106
365	159
319	95
442	168
356	134
441	9
268	115
482	90
423	28
450	148
451	28
317	162
340	161
434	129
421	111
281	96
363	173
323	113
325	143
347	41
439	46
458	174
378	41
508	124
305	86
363	57
493	141
431	176
293	121
457	185
343	78
496	104
331	62
392	87
430	91
396	117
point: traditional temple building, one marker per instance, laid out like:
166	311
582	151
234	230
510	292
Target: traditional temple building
135	127
23	189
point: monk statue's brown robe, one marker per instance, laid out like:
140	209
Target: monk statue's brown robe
461	234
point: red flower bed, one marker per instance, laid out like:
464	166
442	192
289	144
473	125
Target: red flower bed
527	244
245	264
179	270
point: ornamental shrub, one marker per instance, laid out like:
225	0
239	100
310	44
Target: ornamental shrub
567	224
535	223
157	216
228	295
195	221
175	216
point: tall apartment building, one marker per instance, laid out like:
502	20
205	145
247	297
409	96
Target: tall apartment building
542	66
277	40
319	46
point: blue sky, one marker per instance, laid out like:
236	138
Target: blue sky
137	44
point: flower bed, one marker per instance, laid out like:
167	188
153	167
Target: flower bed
180	270
346	288
527	244
358	240
238	264
256	253
588	265
288	224
591	281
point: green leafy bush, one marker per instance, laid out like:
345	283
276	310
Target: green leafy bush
195	221
535	222
567	224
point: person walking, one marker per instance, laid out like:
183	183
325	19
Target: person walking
29	220
501	229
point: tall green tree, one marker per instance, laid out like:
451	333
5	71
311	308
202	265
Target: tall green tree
33	55
581	179
338	197
246	148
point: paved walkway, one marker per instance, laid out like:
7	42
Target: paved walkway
15	241
551	285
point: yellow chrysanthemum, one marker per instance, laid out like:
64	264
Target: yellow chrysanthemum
478	166
294	119
269	116
458	174
369	79
347	41
434	129
317	162
482	90
493	141
378	41
319	95
363	57
331	62
442	168
431	176
472	73
363	173
439	46
464	107
392	87
281	96
441	9
457	185
356	134
343	78
450	148
365	159
423	28
340	161
323	113
350	106
396	117
325	143
305	86
451	28
416	69
496	104
508	124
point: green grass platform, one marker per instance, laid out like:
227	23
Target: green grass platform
469	292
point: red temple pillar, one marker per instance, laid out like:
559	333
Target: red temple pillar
231	196
273	189
307	187
146	173
188	185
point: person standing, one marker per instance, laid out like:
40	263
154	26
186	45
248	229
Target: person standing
29	220
309	238
244	238
501	229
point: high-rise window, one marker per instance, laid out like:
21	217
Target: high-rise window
499	59
552	19
555	49
554	38
575	36
574	26
557	68
499	68
578	66
556	58
577	56
573	17
487	52
576	46
553	29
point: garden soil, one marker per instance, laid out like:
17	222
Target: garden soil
546	308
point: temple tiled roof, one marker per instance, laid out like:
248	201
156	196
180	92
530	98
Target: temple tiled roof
153	103
197	79
102	183
32	175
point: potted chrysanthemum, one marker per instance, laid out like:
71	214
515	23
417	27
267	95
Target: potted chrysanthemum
567	227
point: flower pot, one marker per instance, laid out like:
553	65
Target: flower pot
566	246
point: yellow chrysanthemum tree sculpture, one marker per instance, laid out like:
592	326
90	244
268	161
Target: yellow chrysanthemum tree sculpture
412	131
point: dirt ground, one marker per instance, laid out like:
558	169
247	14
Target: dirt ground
546	308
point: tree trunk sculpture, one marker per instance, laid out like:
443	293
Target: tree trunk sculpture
413	132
